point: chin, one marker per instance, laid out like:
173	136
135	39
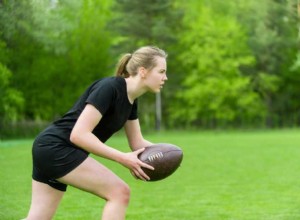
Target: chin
154	90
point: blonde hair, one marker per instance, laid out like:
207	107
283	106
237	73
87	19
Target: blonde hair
142	57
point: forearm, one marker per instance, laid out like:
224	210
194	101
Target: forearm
134	135
138	144
146	143
90	143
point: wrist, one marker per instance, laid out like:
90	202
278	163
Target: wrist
119	157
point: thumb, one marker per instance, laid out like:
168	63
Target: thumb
139	151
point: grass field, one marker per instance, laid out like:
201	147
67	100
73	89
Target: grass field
252	175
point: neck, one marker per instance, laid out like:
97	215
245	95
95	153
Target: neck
134	88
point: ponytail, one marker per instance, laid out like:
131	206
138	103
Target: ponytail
121	67
142	57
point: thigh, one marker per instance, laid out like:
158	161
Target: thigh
44	202
93	177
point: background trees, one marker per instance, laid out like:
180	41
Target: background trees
215	91
137	23
56	50
230	63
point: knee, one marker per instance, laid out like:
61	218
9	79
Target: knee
124	193
121	194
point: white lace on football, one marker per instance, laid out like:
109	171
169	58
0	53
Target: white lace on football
155	156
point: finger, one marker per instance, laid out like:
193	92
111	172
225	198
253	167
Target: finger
139	151
143	174
139	172
133	174
146	166
139	175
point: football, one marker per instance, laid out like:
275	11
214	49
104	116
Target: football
165	158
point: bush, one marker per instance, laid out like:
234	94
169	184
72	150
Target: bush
22	129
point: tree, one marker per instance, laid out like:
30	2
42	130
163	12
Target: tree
11	99
214	92
58	49
138	23
273	41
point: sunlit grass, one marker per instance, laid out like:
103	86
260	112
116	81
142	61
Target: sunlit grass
224	175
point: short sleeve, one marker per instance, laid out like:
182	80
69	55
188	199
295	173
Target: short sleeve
134	111
101	96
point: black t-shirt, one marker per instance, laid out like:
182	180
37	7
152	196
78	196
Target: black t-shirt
109	96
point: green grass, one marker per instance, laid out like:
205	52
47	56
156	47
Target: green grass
252	175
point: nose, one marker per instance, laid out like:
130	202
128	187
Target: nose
165	77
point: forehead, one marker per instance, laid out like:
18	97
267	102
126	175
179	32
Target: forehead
161	63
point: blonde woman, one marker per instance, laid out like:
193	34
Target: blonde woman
61	152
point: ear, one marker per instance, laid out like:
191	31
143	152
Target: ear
142	71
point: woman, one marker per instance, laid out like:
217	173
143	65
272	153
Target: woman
61	152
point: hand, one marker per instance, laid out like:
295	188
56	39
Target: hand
131	161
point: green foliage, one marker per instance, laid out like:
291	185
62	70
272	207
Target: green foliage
51	25
87	58
215	89
11	99
137	23
273	36
266	83
230	62
63	48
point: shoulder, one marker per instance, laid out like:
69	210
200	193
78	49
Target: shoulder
102	94
110	82
102	85
109	87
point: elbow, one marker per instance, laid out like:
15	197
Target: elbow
74	137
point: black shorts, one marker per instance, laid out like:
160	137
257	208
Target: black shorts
53	158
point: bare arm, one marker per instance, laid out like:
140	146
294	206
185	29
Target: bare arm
134	135
83	137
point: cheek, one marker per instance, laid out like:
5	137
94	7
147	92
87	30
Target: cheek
153	83
156	79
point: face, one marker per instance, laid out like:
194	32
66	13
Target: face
156	77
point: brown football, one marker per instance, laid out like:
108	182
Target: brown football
165	158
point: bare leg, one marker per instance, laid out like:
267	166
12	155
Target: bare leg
93	177
44	201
